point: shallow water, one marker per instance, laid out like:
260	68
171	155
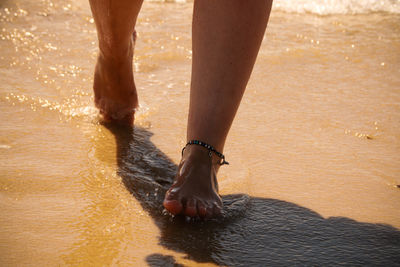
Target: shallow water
314	149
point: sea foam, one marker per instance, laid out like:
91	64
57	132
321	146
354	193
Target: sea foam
327	7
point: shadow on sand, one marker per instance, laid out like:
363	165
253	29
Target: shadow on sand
253	231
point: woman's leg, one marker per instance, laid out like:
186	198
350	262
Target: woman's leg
227	35
114	86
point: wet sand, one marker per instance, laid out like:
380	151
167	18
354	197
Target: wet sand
314	150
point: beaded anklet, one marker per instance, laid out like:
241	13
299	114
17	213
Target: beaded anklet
210	149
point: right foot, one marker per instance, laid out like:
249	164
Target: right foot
114	87
195	190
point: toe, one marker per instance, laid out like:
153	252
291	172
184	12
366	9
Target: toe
191	208
202	209
210	210
172	203
173	206
217	209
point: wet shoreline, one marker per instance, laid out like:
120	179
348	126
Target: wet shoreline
314	150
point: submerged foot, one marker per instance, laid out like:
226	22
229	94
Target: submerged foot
114	87
195	190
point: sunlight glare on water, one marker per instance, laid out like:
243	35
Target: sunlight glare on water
317	133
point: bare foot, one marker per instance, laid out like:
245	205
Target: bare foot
195	191
114	87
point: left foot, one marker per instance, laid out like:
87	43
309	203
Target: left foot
195	190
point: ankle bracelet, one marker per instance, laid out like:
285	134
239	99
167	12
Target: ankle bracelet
210	149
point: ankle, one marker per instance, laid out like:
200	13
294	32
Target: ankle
116	51
201	155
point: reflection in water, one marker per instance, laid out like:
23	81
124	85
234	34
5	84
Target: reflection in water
101	221
252	231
